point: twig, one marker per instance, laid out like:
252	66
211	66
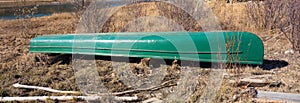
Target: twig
43	98
138	90
273	37
14	1
17	85
254	82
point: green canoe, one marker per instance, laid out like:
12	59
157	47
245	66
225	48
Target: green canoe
228	47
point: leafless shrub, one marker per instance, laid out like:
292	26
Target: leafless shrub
25	12
291	26
80	6
276	15
265	15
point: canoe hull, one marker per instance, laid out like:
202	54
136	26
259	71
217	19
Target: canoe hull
233	47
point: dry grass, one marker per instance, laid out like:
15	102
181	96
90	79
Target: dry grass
126	16
18	65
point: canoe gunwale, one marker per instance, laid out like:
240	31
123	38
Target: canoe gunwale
140	50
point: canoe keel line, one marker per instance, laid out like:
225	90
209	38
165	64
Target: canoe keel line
227	47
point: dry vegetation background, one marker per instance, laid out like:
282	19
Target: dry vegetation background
276	22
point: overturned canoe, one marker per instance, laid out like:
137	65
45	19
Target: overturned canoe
229	47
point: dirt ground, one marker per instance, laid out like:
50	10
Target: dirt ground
17	65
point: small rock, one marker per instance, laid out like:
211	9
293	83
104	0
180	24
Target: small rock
291	51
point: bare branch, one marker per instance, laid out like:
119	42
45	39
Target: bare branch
17	85
44	98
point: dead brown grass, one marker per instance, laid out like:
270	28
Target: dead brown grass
17	65
127	14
